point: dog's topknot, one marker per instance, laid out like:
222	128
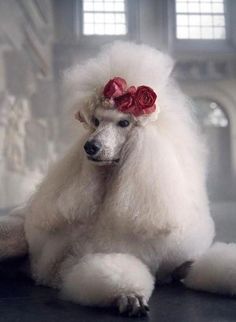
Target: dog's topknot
137	64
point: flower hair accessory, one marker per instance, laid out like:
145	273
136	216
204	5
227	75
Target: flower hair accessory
137	101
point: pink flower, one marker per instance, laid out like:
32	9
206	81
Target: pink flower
144	99
125	102
115	87
140	101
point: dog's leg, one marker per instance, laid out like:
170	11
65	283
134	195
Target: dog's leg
110	279
12	236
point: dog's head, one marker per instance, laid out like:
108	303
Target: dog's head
114	111
115	93
110	131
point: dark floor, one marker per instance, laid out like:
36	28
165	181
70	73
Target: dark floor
22	301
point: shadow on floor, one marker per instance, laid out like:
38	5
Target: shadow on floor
22	301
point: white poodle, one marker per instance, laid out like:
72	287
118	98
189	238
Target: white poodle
128	203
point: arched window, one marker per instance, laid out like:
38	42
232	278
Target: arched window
210	114
215	124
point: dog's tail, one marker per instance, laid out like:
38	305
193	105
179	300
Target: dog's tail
214	271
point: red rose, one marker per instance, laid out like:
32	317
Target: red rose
124	103
145	97
138	101
115	87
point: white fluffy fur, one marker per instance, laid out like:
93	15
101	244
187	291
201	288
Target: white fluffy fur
98	233
215	271
98	279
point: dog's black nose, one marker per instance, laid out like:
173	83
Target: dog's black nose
92	147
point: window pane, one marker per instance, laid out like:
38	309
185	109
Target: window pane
109	18
98	6
182	20
194	32
207	33
119	6
88	17
181	7
193	7
219	21
218	7
182	33
88	6
109	6
99	18
110	29
206	20
99	29
120	29
194	20
219	33
205	7
88	29
120	17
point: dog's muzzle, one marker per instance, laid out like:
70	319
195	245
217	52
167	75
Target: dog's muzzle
92	147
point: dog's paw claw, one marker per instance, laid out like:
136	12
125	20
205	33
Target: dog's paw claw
132	305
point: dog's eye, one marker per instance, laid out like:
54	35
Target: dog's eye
123	123
95	121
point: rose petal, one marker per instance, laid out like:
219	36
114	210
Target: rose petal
124	102
131	89
115	87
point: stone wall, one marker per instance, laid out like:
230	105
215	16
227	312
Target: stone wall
27	96
39	39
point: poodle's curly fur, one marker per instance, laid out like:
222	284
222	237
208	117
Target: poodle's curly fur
103	234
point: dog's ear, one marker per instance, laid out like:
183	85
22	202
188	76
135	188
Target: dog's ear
148	187
79	117
83	117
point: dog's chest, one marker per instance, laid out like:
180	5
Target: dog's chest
95	238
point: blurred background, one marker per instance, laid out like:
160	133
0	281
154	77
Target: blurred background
40	39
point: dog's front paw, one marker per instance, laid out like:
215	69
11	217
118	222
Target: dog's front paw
132	305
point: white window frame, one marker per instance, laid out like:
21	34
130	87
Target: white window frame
178	46
132	24
103	24
199	25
